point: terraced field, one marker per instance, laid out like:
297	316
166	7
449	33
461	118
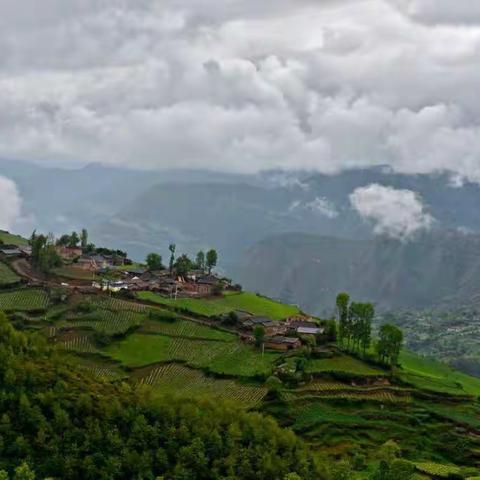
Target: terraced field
187	329
180	380
115	304
108	322
80	343
342	391
232	358
246	301
23	300
7	276
343	364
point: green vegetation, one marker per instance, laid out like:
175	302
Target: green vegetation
187	329
10	239
24	300
59	423
173	378
432	375
343	364
246	301
72	273
7	276
231	358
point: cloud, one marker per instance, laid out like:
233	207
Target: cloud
395	213
10	204
243	86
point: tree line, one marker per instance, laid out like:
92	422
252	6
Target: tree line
204	261
355	331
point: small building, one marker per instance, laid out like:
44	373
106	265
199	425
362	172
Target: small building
86	264
10	250
310	331
282	343
271	327
68	253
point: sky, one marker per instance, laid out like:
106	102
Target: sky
242	85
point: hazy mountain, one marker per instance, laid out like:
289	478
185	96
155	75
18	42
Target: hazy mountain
440	268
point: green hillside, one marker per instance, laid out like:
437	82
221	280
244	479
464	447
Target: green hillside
342	406
10	239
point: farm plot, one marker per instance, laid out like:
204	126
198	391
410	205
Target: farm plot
108	322
231	358
343	364
246	301
81	343
180	380
7	276
115	304
187	329
23	301
437	470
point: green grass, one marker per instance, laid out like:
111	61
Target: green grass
230	358
187	329
23	300
73	273
343	364
437	469
10	239
183	381
246	301
433	375
7	276
107	321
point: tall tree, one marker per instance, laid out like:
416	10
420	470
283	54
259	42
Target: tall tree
368	313
74	240
154	261
84	238
212	258
183	265
259	334
389	344
200	260
343	300
172	247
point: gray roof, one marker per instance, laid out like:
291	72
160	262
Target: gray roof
310	330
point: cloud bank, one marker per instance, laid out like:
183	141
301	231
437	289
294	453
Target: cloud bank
243	86
398	214
10	203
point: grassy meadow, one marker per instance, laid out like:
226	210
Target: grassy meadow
245	301
7	275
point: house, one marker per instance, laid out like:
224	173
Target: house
310	331
101	261
271	327
68	253
107	286
282	343
85	263
10	250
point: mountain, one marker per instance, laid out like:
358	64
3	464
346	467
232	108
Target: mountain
440	268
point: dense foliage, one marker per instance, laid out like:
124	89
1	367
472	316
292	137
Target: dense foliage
64	425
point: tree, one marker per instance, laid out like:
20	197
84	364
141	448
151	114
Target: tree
212	258
23	472
64	240
343	300
154	261
200	260
274	385
389	344
259	334
172	247
84	238
74	240
183	265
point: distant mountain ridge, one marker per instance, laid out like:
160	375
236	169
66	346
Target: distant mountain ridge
441	268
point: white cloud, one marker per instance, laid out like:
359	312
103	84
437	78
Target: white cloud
396	213
244	85
10	203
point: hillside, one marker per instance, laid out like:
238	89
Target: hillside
342	406
442	268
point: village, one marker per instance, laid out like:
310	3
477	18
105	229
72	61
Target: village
103	271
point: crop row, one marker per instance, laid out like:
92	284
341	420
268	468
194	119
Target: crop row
186	328
109	322
378	396
102	372
176	379
115	304
319	386
23	300
81	344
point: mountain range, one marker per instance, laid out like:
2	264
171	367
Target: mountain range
292	235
